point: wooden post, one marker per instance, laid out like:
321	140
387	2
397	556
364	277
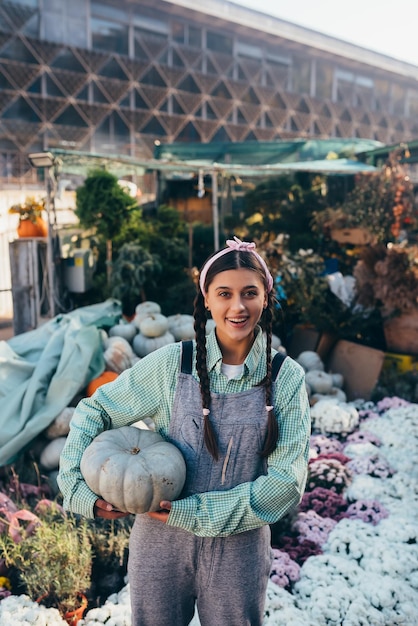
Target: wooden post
28	273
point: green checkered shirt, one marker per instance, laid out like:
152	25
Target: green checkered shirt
147	390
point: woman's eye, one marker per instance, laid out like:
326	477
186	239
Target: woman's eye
250	294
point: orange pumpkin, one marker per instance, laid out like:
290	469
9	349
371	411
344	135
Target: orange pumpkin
104	378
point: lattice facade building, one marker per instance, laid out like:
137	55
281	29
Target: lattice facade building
114	76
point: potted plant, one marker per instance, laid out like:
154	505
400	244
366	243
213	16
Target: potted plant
379	207
387	280
31	222
133	267
52	564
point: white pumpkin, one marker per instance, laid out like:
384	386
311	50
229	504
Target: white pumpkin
133	469
118	354
337	380
143	310
147	307
60	427
50	455
145	345
335	393
181	326
310	360
126	331
153	325
319	381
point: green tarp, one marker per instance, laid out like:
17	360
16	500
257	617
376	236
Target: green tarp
42	370
252	158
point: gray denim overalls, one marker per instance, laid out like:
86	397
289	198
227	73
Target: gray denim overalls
171	569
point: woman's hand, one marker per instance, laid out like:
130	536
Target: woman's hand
107	510
163	513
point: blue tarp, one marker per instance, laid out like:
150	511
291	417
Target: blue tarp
42	370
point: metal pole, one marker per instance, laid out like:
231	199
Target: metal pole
49	257
215	210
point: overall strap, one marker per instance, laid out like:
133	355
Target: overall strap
276	364
186	357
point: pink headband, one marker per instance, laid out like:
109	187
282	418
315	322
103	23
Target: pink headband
235	244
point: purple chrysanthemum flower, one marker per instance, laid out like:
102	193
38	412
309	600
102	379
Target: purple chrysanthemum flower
367	511
325	502
328	473
363	436
284	570
373	465
313	527
321	444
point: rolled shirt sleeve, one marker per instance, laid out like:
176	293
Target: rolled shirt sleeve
145	390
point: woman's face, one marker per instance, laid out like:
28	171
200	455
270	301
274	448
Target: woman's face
236	299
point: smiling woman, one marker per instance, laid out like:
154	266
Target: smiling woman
217	400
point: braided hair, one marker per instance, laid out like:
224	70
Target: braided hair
235	259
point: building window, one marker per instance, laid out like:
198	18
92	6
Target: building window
277	71
195	36
398	98
109	36
186	34
178	31
219	42
301	75
412	104
324	80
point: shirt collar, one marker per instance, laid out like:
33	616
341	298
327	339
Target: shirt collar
258	350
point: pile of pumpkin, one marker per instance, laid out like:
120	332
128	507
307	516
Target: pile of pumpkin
127	342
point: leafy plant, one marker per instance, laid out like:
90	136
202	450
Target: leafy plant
30	209
102	204
304	294
381	202
133	267
272	206
54	563
387	278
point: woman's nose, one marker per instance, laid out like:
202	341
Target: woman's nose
237	303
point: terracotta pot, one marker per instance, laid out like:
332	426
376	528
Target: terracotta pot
73	617
401	333
27	228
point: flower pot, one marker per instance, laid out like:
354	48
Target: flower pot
401	333
73	617
28	228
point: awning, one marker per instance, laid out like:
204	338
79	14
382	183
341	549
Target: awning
250	163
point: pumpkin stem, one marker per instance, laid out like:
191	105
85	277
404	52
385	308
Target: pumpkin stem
135	450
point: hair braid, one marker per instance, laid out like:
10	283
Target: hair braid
272	426
202	371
